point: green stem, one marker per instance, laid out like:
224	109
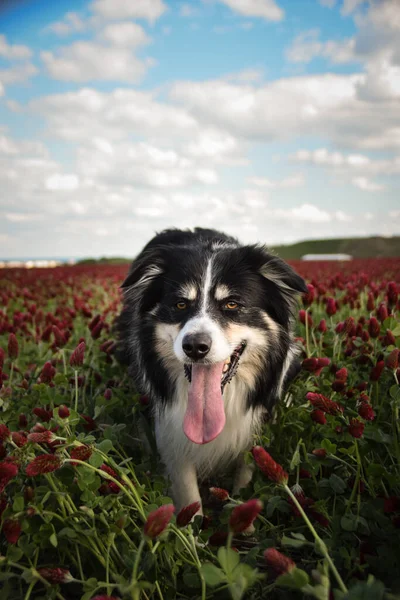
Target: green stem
307	335
76	390
319	542
111	478
135	590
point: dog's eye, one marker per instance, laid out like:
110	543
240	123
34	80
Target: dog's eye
181	305
231	305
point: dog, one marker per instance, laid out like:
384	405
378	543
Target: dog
207	331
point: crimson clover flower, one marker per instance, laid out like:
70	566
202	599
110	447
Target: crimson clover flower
243	515
318	416
82	453
268	466
12	530
44	463
55	575
219	493
278	561
158	520
331	306
342	374
63	411
76	358
8	470
12	347
47	373
186	514
382	312
366	411
324	403
392	361
374	327
4	433
44	437
319	453
315	364
356	428
376	371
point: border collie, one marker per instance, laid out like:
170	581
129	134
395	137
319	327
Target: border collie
206	328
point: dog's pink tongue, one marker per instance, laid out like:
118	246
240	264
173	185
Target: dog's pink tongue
205	414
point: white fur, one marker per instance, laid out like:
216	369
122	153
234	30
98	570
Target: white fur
185	461
188	291
222	292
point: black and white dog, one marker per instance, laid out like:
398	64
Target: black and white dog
206	328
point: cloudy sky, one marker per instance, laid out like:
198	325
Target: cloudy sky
274	120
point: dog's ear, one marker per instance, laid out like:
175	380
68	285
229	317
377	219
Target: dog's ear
278	271
144	269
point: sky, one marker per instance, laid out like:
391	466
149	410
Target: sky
272	120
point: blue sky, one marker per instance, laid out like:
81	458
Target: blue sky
272	120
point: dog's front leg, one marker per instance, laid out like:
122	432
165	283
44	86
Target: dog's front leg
185	489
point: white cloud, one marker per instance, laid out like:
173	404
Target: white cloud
294	181
90	61
13	52
71	23
18	73
308	46
266	9
62	182
125	34
348	162
150	10
366	185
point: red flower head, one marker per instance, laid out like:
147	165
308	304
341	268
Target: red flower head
158	520
308	298
318	416
370	301
388	339
243	515
392	361
76	358
12	347
55	575
278	561
44	463
59	337
19	438
322	327
338	385
342	374
373	327
84	453
63	411
108	394
12	530
187	513
2	356
4	433
315	365
376	371
366	411
90	424
219	493
331	306
356	428
8	470
22	421
303	315
324	403
47	373
268	466
44	437
43	414
382	312
319	453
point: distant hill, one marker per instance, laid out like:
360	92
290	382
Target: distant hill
373	247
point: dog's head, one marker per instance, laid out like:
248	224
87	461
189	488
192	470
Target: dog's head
217	312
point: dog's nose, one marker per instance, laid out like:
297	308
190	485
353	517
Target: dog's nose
196	345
